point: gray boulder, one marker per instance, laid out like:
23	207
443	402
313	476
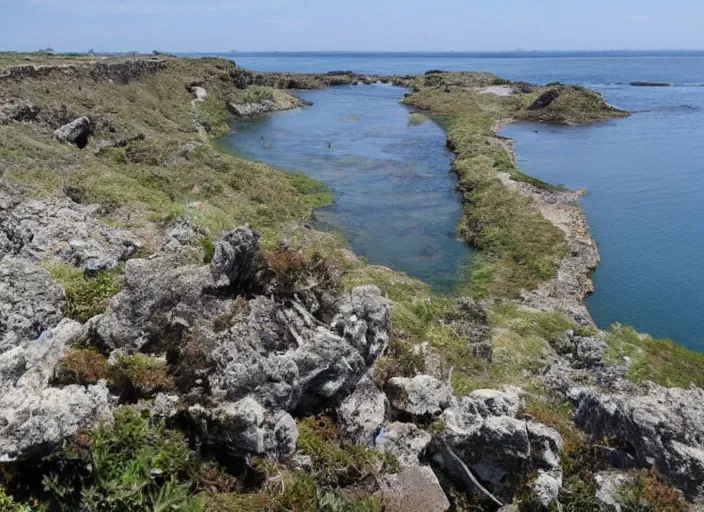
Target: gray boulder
158	299
31	302
35	417
404	441
495	445
421	396
246	427
76	132
181	233
658	427
608	484
364	321
233	263
362	414
413	489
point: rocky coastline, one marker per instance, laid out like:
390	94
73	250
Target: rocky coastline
173	337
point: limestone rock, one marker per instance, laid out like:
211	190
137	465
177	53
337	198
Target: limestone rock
30	302
35	417
413	489
247	427
63	229
364	321
362	413
233	263
421	396
608	483
547	487
157	299
181	233
18	110
404	441
659	427
494	445
76	132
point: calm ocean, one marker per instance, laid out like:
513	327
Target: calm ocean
645	174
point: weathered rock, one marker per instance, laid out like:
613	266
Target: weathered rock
658	427
35	417
286	356
233	263
18	110
483	432
413	489
158	300
76	132
363	320
61	228
245	426
421	396
608	484
181	233
492	402
362	414
404	441
30	302
547	487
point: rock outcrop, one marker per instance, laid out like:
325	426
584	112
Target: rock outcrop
34	416
657	426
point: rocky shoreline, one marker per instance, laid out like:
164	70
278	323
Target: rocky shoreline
157	352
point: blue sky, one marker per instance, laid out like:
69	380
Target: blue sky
385	25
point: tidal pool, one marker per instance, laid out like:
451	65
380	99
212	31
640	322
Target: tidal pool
389	170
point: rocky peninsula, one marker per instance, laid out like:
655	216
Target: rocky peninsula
173	336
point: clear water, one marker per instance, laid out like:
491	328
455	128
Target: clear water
394	194
645	173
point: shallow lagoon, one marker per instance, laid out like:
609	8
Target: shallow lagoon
389	171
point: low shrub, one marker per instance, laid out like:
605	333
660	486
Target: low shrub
647	492
87	296
81	366
139	375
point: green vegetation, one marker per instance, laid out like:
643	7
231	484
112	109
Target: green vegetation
519	248
646	492
172	169
661	361
129	465
86	296
140	375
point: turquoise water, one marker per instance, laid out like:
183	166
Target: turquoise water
645	174
394	194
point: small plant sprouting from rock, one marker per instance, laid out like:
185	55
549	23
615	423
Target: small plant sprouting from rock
129	465
140	375
647	492
87	296
81	366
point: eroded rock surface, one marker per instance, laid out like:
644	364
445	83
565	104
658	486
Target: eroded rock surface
422	396
658	427
35	417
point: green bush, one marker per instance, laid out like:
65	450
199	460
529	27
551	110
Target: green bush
140	375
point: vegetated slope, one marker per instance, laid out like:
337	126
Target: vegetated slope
276	372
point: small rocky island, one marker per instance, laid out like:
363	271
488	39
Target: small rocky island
173	336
